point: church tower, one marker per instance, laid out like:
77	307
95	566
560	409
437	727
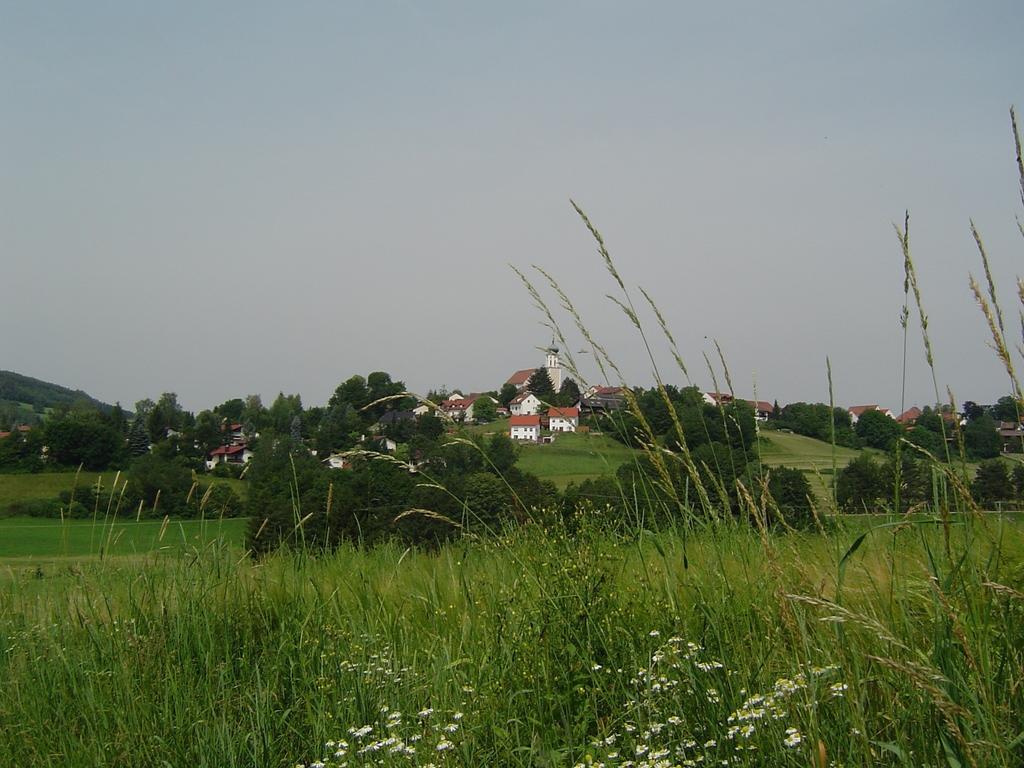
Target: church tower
554	367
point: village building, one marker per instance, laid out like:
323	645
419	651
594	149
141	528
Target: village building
524	404
563	419
552	365
229	454
525	428
856	411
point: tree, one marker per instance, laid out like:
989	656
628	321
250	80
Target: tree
138	437
484	410
287	484
877	430
487	501
161	484
569	394
507	394
859	486
207	431
254	415
1018	480
992	483
915	479
981	438
502	453
540	385
283	410
84	438
971	410
791	491
430	426
229	409
1007	409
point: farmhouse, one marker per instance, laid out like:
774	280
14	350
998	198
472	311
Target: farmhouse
525	428
762	408
602	399
229	454
856	411
524	404
563	419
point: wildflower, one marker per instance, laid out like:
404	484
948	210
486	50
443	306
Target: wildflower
793	737
836	689
654	633
443	745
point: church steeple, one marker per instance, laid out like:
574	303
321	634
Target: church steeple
554	366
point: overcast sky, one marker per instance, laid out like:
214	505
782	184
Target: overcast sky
219	199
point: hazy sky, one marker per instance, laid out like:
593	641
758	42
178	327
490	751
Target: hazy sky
220	199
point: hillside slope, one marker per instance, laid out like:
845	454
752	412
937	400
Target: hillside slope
26	400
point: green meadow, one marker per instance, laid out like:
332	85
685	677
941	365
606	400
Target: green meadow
574	457
24	539
894	646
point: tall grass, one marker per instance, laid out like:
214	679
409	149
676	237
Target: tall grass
714	639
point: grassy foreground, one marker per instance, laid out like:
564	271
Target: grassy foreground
540	649
38	539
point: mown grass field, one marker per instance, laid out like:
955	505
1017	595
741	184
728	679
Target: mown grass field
48	485
25	539
537	649
574	457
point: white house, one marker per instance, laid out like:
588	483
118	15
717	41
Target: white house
563	419
229	454
856	411
338	461
524	428
525	404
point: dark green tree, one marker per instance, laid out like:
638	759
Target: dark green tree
876	430
485	410
138	437
230	410
981	438
160	483
540	385
507	393
569	393
1018	479
1007	409
860	485
84	438
992	483
791	491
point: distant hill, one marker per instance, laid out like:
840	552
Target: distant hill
26	400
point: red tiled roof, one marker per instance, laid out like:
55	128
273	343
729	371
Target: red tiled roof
564	413
519	378
524	421
859	410
520	398
909	415
227	450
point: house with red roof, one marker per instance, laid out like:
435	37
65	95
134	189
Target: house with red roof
856	411
524	428
524	404
563	419
909	416
762	408
519	379
229	454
